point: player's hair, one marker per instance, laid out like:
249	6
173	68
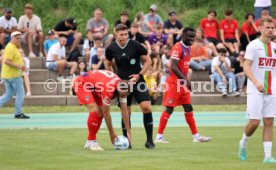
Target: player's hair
120	27
212	11
228	12
186	29
263	20
248	15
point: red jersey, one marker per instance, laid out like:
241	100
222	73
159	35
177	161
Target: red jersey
180	52
257	23
210	28
247	28
229	28
101	83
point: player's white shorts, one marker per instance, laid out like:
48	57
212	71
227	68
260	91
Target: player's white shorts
260	106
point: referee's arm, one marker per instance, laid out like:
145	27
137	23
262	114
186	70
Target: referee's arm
146	64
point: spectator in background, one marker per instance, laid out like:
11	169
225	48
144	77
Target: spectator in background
209	46
30	25
229	33
248	30
165	59
26	73
222	73
264	14
239	73
52	39
11	73
56	59
143	29
68	28
98	60
151	83
82	67
124	19
152	19
8	24
158	39
88	45
261	5
156	66
173	28
99	27
97	43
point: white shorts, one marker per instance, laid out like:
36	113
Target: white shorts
260	106
24	38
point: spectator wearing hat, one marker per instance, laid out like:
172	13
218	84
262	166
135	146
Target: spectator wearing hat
52	39
152	18
13	66
30	25
123	19
68	28
8	24
173	28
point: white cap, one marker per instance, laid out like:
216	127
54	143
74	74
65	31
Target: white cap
153	7
15	33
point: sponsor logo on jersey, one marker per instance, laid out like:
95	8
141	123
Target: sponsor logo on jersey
124	54
86	98
267	62
175	53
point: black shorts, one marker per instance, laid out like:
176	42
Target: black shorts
231	40
140	93
213	40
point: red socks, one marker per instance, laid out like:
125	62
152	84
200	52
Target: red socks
163	122
189	116
93	124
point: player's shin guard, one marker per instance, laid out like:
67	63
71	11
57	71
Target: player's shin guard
189	116
92	124
124	128
163	122
148	124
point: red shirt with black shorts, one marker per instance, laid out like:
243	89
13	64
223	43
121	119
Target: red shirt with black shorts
96	86
177	94
248	28
210	28
229	28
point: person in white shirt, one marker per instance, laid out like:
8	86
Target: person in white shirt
56	59
260	68
30	25
8	24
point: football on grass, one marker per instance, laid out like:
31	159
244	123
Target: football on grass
121	143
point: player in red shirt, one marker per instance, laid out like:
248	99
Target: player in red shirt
229	33
177	92
248	30
95	89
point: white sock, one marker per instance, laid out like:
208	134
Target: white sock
159	136
243	141
196	135
267	149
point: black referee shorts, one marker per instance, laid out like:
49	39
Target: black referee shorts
140	92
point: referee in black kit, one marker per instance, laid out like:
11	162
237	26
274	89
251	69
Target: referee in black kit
128	55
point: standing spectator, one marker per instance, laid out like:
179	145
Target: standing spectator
124	19
143	29
221	71
173	28
8	24
239	73
99	27
30	25
199	56
158	39
248	31
87	45
52	39
152	19
68	28
26	73
56	60
261	5
98	60
229	33
11	73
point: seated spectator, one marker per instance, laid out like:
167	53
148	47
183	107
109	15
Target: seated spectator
209	46
173	28
222	73
239	73
156	65
82	67
199	56
88	45
68	28
56	59
98	60
8	24
99	27
152	18
26	73
151	84
165	59
143	29
52	39
158	40
93	51
123	20
248	31
30	25
229	33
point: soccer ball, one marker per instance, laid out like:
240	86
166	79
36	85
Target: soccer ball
121	143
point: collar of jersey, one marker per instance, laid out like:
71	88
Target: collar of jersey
124	45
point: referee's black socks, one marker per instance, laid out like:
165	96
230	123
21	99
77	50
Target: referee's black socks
148	124
124	128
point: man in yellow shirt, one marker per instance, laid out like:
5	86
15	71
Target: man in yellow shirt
11	74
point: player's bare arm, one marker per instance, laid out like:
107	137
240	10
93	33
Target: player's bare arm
176	70
108	121
125	116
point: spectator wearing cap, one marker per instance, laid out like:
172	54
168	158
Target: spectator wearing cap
99	27
52	39
173	28
123	19
13	66
158	40
68	28
30	25
8	24
152	18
